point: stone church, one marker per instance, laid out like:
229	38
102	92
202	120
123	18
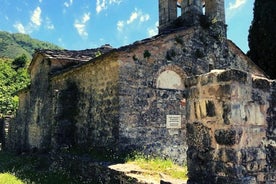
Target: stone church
188	94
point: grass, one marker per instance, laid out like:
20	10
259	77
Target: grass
32	169
7	178
39	169
158	165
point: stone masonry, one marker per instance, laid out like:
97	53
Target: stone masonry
227	131
187	94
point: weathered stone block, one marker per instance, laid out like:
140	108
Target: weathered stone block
224	91
262	84
228	137
249	180
191	81
228	180
193	93
207	79
227	155
256	166
258	97
198	136
232	75
271	156
252	154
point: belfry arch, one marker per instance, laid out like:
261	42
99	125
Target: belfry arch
168	11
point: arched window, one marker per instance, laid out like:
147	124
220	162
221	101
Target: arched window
169	79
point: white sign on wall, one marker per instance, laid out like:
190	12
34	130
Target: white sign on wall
173	121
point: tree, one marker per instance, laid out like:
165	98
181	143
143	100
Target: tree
11	81
262	36
20	62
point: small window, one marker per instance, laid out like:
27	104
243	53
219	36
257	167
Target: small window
170	80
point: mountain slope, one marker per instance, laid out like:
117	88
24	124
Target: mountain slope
14	45
14	78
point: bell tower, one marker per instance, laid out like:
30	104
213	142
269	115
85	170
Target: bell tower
214	10
167	13
191	10
192	7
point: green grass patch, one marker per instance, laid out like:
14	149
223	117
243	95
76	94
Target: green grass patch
158	165
30	169
7	178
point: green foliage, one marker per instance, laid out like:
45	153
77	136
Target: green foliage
33	169
19	62
159	165
14	45
262	37
11	81
147	54
15	54
98	53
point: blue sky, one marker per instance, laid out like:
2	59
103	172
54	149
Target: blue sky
82	24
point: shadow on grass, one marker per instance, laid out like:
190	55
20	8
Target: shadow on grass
78	166
36	169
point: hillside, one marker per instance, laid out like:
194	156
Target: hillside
13	74
14	45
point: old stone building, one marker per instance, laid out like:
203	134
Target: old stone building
188	94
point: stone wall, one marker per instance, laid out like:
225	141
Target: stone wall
86	105
144	105
121	100
271	135
17	137
227	128
31	127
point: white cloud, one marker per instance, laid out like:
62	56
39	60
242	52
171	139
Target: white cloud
19	27
120	25
103	4
133	16
236	4
36	16
68	4
49	25
40	1
153	31
138	15
144	18
80	25
100	5
33	24
81	29
233	8
86	17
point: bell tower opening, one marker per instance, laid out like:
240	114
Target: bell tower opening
178	8
188	12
